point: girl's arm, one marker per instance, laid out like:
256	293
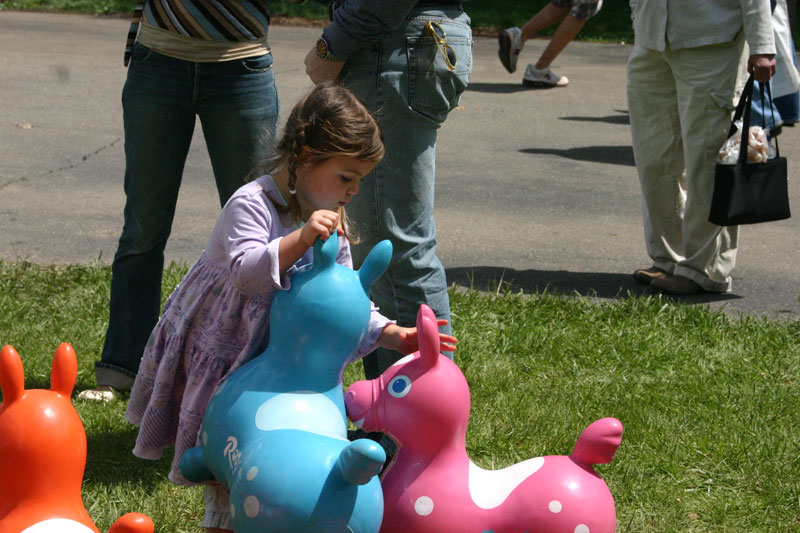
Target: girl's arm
406	341
257	261
385	333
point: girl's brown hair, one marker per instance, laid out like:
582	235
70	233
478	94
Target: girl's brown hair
330	121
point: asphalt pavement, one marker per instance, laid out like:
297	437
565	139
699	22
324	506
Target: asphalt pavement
536	189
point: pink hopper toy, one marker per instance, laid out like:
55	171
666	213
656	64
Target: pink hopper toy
43	454
423	403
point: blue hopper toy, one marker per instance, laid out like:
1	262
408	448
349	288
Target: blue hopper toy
275	434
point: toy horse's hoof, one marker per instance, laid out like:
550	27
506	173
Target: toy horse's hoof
360	461
193	466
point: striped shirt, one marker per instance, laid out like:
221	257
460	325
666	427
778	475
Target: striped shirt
201	30
210	20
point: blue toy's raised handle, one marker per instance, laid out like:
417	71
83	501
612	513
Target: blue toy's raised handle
375	264
325	251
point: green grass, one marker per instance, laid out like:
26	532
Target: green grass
709	402
613	23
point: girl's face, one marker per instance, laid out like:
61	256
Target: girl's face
330	184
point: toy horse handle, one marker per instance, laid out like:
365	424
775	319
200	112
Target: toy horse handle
598	442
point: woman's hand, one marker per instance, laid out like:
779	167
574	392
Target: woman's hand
406	340
320	224
762	66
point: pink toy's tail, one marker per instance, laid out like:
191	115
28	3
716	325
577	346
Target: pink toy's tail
599	442
133	523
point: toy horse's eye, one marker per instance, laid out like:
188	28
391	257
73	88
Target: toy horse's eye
400	386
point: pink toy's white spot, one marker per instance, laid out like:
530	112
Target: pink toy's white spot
490	488
554	506
423	506
404	360
251	506
582	528
252	473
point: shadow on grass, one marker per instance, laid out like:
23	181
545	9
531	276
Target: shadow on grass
110	461
613	155
591	284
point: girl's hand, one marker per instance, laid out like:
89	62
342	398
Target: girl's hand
321	224
406	341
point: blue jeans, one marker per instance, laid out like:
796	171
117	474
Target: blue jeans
238	108
403	79
789	104
769	116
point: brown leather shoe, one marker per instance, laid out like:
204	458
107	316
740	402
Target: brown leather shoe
646	275
678	285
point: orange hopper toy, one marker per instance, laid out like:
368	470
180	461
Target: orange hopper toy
43	454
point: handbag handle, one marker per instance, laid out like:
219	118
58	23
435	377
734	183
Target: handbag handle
771	110
743	108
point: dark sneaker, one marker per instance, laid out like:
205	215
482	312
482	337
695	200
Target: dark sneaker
510	42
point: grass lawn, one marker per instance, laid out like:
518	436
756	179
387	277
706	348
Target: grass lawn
709	402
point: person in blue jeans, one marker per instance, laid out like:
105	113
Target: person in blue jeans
783	108
409	61
178	70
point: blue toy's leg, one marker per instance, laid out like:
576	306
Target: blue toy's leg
193	467
360	461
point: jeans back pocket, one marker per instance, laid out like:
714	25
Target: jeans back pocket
433	89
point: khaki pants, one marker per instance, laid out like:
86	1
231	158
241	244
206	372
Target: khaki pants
680	104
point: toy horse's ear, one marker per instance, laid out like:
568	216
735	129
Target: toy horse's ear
12	375
65	370
428	335
375	264
325	251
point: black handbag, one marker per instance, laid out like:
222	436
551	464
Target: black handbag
749	193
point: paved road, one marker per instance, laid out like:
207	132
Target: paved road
536	188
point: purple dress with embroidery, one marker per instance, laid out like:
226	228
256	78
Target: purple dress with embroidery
215	320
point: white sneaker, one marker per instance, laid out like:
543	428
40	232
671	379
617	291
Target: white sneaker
103	393
543	78
510	41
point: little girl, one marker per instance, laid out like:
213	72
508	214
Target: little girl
218	316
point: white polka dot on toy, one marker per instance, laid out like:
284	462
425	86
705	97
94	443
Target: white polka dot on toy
554	506
205	438
423	506
233	511
251	506
252	473
582	528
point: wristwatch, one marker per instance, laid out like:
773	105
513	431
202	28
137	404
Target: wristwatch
324	50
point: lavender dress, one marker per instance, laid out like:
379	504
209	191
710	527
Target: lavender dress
215	321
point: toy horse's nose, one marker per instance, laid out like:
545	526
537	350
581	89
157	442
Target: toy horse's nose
358	401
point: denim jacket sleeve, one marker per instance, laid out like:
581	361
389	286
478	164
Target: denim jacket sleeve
359	23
